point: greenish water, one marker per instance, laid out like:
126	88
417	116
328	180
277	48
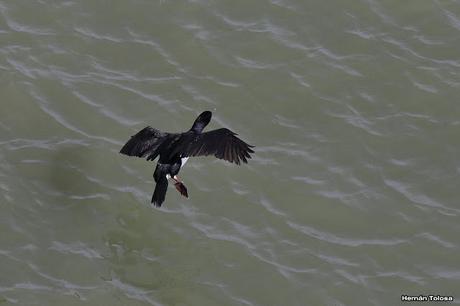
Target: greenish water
352	195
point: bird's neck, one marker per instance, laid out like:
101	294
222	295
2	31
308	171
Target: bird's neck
198	127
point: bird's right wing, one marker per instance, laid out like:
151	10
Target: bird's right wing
222	143
145	143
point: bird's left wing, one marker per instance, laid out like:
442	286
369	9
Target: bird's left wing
222	143
145	143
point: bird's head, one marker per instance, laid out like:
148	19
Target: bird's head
201	121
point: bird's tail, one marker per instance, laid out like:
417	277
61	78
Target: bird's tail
159	194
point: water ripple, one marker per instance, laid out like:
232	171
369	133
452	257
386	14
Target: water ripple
454	21
351	242
134	292
438	240
19	27
414	197
270	207
88	33
44	105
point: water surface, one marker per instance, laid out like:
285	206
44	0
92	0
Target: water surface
350	199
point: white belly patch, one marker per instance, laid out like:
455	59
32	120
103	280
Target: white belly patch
183	160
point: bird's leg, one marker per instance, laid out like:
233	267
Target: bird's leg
180	186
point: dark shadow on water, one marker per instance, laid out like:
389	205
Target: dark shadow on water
67	172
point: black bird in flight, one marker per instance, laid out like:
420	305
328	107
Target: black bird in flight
175	148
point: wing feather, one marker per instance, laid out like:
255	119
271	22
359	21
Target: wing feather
145	143
222	143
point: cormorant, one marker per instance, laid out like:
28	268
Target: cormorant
174	149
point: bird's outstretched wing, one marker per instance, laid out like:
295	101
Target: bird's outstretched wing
222	143
145	143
